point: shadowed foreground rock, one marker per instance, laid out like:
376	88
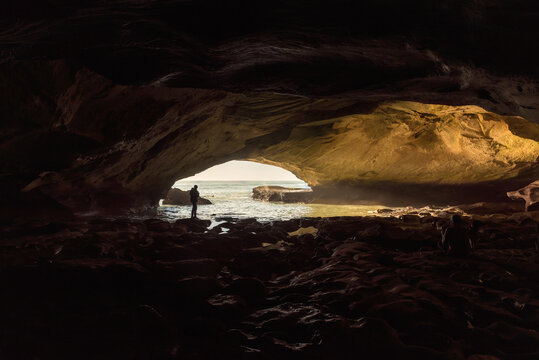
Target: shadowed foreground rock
373	288
180	197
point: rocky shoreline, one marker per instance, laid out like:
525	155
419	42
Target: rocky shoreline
309	288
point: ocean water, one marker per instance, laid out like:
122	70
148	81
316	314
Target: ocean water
233	199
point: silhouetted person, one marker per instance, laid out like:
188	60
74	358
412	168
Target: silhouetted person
455	239
473	235
193	193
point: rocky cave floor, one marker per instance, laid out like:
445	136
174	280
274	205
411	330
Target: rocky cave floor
369	287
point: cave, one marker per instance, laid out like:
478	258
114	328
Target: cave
425	114
378	151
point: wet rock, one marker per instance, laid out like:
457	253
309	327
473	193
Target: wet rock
194	225
227	307
226	246
157	225
374	232
251	289
192	267
340	229
174	253
259	262
306	222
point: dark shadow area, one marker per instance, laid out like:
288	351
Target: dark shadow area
418	195
379	287
118	39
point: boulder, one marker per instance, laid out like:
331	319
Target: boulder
282	194
180	197
194	225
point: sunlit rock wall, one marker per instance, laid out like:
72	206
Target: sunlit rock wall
410	142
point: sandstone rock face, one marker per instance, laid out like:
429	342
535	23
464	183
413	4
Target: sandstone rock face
411	142
180	197
106	104
280	193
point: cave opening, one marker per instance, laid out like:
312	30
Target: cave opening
242	189
239	189
244	170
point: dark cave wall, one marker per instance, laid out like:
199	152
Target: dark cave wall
477	30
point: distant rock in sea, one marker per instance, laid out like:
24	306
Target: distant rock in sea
180	197
283	194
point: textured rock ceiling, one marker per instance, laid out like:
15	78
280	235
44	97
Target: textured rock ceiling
106	104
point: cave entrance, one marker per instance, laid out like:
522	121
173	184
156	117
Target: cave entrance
240	170
229	189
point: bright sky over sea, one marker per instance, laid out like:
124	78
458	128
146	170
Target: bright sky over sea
237	170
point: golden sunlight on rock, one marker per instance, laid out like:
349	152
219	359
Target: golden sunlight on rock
409	142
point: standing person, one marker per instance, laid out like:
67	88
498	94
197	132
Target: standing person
474	233
455	238
193	193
